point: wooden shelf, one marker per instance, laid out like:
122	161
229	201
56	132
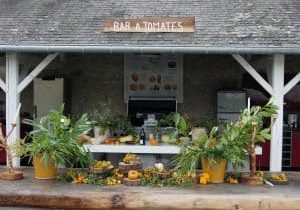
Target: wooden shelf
138	149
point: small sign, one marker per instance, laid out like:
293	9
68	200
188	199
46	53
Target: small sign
151	25
258	150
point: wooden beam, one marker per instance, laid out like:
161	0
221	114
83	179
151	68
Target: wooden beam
3	85
277	127
292	83
12	100
253	73
36	71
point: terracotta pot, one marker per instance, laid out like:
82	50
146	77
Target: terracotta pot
216	171
42	171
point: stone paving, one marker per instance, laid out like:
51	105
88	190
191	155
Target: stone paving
30	192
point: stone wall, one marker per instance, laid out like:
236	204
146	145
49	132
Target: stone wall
97	77
93	78
204	75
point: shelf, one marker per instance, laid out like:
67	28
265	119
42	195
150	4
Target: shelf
138	149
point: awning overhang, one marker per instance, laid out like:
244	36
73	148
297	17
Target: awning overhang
147	49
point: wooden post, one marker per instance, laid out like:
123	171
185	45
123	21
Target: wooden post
12	100
277	128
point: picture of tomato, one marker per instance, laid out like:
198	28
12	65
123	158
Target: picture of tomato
133	87
135	77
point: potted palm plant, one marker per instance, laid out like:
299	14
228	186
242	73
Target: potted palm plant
212	151
251	130
55	141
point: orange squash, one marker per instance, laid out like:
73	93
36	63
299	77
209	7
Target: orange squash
153	141
133	174
107	140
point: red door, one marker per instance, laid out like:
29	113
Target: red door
2	156
296	149
264	159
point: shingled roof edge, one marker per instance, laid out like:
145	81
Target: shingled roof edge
147	49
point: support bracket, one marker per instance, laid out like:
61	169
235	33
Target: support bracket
30	77
3	86
292	83
253	73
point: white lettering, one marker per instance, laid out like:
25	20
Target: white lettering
180	27
145	25
137	27
163	27
173	27
156	26
127	26
168	26
116	26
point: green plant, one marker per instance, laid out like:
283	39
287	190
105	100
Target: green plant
250	129
235	142
179	123
124	124
191	152
55	136
167	121
205	121
106	118
173	179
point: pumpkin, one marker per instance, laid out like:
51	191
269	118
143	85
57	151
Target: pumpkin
204	178
133	174
203	181
153	142
107	140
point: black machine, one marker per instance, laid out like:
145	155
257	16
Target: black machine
140	108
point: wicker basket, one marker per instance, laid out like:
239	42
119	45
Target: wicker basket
162	175
101	172
126	167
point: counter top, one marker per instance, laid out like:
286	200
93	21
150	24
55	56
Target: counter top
138	149
30	192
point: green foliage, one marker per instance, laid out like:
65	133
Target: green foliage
239	135
55	136
177	121
123	124
191	152
149	178
167	121
206	121
70	176
232	144
111	121
106	116
256	115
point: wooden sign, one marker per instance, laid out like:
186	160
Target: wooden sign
151	25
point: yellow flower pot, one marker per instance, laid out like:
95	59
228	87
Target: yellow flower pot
41	171
216	171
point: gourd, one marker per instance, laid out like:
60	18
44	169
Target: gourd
133	174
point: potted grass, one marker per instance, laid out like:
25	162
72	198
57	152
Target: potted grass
55	141
207	150
106	121
176	128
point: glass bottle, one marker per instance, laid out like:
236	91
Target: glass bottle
142	137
